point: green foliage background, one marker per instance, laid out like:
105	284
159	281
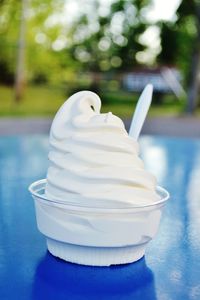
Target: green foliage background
63	53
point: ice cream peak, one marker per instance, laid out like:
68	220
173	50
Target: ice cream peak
93	161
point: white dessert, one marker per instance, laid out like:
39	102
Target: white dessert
98	205
93	161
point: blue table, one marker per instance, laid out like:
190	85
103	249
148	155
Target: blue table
171	267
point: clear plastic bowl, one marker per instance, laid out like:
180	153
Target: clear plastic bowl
95	235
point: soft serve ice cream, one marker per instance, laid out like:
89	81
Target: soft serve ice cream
93	161
98	205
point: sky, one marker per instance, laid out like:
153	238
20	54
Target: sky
160	10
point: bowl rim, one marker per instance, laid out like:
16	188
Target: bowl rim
33	189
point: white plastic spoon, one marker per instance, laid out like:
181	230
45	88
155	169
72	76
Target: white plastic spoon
141	111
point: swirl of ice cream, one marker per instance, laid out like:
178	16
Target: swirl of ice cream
93	161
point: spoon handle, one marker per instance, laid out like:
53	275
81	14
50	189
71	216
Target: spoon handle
141	111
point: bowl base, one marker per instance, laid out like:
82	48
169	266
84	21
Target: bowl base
95	256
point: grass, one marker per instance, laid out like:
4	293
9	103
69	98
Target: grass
123	105
37	101
45	101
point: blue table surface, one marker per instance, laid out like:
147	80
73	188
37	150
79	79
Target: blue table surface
171	267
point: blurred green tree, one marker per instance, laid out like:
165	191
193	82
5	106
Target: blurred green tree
180	42
95	40
109	41
43	54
